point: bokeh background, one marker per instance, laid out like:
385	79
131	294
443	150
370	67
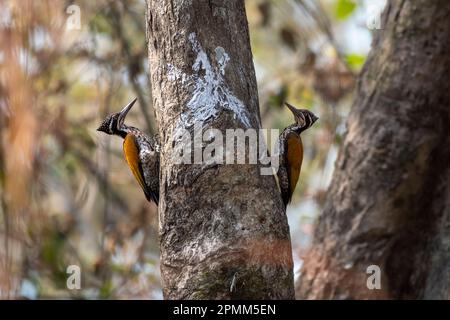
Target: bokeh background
67	196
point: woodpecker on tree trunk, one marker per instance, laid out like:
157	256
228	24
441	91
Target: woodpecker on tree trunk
141	151
291	151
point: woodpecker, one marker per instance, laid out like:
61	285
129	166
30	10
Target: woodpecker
291	151
141	151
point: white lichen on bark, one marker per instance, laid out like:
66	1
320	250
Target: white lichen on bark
210	94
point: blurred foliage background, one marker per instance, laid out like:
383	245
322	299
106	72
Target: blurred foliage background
67	196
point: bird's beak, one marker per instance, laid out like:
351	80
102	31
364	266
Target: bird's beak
314	118
123	113
291	107
298	114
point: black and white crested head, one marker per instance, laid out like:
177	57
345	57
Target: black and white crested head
109	124
114	123
303	118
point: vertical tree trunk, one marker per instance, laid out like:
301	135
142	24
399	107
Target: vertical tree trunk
223	230
389	201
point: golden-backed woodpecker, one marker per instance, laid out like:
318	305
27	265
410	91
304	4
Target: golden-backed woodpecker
291	151
141	151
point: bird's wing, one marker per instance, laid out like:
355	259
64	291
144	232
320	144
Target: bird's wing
131	152
294	158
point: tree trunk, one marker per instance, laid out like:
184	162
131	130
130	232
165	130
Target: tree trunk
223	230
389	200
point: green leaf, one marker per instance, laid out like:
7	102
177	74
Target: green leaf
344	8
355	61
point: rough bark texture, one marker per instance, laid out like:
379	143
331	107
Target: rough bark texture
223	230
389	201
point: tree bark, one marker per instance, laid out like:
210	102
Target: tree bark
389	200
223	230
